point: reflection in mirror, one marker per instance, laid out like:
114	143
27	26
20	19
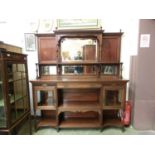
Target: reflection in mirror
48	70
73	49
79	70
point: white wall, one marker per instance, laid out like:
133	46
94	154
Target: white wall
13	32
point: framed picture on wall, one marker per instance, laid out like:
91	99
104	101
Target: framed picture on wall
78	23
30	42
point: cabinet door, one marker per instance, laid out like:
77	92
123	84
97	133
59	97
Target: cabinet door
17	90
2	102
113	97
47	49
111	48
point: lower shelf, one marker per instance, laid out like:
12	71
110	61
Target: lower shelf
80	123
112	122
46	123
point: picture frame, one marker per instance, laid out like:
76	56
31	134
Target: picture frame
78	23
30	41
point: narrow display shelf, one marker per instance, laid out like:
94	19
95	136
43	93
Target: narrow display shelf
78	62
48	122
79	106
46	107
112	122
112	107
80	123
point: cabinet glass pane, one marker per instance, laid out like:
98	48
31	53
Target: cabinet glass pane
2	105
11	94
21	67
109	69
17	76
79	70
113	97
45	98
26	103
48	70
18	89
19	108
24	85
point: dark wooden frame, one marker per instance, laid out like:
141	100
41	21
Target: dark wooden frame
12	128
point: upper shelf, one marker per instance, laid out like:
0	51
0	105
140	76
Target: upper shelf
79	63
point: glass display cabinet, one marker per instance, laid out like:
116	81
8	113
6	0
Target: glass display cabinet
79	80
14	91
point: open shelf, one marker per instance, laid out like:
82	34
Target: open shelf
112	107
45	107
48	122
87	119
79	106
112	122
111	118
80	123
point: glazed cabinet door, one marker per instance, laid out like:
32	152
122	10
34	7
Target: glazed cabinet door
47	49
45	97
17	90
3	120
114	97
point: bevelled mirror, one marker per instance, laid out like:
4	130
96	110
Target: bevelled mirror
78	49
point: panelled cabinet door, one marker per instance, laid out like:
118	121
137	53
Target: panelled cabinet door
111	48
47	49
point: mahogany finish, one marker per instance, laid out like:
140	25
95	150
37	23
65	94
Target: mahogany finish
45	46
91	93
14	92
